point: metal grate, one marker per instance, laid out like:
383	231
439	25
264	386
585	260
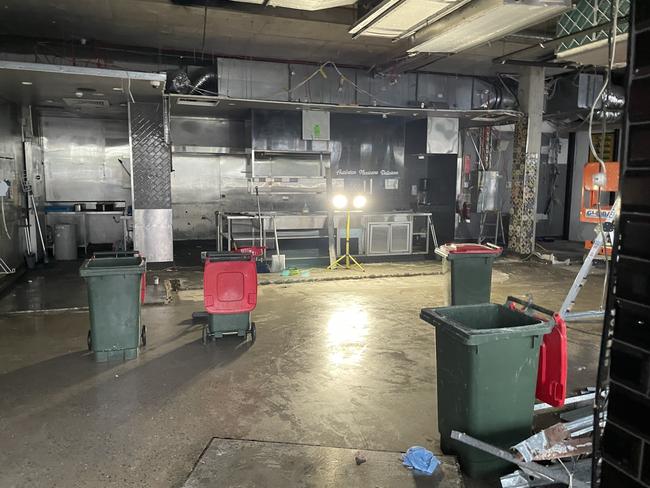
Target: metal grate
587	14
151	157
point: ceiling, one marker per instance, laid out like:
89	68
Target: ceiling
85	28
77	90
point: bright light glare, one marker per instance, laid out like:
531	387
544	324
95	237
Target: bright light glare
347	330
340	201
359	201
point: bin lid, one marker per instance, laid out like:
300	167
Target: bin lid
229	286
468	249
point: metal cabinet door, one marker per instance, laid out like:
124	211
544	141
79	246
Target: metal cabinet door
400	237
379	238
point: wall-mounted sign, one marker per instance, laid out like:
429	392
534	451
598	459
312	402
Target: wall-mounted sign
367	172
315	125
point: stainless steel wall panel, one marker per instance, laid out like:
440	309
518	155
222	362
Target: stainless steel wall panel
11	165
195	179
276	130
217	132
442	135
80	159
152	229
253	79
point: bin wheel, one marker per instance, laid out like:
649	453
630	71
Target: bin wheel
204	335
89	340
143	336
253	331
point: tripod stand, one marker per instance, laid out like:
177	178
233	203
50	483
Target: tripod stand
347	256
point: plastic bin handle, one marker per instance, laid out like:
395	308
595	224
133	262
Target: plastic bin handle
510	301
214	257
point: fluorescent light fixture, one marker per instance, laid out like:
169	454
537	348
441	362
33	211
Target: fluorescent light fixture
392	18
482	21
117	88
26	83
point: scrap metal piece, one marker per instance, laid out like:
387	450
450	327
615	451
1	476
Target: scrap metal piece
539	470
580	470
557	441
519	479
575	400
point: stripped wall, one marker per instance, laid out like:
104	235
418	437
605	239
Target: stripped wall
11	169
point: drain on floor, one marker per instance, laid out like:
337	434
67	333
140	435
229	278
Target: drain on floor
175	284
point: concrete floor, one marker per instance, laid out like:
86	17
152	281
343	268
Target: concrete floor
340	363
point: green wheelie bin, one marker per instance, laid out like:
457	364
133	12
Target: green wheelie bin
468	268
487	359
114	285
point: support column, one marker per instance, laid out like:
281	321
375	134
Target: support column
525	162
150	183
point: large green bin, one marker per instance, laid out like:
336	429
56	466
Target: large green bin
114	295
487	357
468	268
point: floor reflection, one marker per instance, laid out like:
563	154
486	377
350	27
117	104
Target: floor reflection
346	333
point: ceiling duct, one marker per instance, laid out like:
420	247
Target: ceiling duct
400	18
482	21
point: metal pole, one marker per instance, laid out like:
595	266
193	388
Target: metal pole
347	240
330	214
38	227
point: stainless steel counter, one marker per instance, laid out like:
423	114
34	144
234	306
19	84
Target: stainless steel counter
377	234
92	227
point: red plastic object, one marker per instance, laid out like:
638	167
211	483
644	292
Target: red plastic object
255	251
229	286
143	287
469	248
553	363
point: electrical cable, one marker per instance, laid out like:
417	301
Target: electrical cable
599	97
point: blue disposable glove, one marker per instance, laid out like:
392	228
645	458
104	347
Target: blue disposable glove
419	458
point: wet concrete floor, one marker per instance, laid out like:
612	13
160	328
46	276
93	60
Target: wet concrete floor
345	364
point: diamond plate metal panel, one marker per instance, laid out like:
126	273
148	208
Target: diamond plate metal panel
151	158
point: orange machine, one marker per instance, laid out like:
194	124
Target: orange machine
590	194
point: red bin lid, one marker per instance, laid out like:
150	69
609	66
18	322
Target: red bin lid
229	286
469	248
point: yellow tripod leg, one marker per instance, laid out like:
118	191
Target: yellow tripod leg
357	263
336	264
